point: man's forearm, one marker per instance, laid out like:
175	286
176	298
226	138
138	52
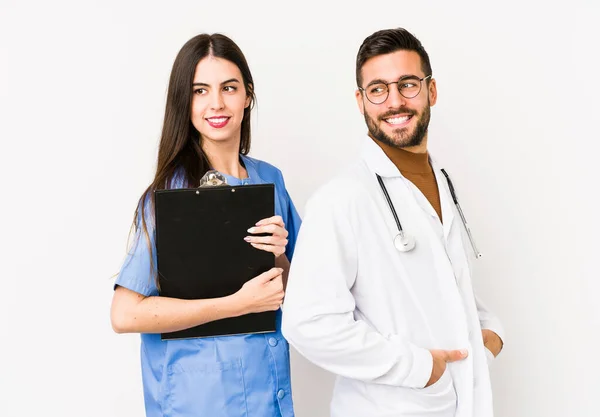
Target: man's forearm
283	263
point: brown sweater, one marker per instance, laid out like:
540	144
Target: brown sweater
416	168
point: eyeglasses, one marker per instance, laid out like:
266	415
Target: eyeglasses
409	86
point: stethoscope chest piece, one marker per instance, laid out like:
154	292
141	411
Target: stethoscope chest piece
404	242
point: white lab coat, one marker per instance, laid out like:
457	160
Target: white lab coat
357	307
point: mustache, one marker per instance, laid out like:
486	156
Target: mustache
396	112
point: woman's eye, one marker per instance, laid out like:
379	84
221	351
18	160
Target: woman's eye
230	89
199	91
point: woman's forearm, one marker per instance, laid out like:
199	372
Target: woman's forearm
133	313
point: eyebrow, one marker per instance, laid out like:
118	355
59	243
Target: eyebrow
231	80
402	77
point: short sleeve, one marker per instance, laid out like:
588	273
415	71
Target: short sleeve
138	272
289	214
292	222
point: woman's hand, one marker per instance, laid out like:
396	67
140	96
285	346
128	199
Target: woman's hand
276	242
262	293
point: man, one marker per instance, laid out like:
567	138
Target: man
395	319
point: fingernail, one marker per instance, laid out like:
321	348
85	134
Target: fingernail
463	352
251	230
247	238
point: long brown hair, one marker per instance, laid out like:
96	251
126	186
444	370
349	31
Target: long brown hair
180	149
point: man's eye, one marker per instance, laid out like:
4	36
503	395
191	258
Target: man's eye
377	90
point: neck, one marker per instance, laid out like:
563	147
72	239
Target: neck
413	159
224	156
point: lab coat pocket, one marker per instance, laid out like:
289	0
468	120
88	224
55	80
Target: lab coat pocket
489	356
209	389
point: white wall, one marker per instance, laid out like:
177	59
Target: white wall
82	91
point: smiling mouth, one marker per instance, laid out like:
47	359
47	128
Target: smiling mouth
218	122
398	120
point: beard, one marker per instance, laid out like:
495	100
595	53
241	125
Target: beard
401	138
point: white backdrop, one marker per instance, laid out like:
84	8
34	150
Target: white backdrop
82	93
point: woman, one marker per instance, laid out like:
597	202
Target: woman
207	126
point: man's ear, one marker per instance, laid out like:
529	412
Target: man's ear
432	90
359	100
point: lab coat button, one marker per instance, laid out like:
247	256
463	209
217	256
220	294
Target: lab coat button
280	394
272	341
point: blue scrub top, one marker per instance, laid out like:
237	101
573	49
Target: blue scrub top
237	376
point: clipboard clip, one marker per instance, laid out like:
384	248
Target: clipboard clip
212	178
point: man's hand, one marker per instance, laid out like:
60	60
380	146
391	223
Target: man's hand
492	341
440	359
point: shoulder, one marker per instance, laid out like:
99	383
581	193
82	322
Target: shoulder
345	190
265	170
145	206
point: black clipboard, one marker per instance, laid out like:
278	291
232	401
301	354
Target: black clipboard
201	252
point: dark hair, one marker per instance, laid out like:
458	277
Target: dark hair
387	41
180	149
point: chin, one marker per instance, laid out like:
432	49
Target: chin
218	135
399	137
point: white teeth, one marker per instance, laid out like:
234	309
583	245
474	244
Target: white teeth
397	120
220	120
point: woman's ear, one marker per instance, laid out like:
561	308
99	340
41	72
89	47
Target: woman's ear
249	95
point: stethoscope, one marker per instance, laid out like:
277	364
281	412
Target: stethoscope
405	242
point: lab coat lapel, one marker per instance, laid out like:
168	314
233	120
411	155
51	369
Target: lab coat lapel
377	160
423	201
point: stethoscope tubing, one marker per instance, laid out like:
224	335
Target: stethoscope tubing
456	203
